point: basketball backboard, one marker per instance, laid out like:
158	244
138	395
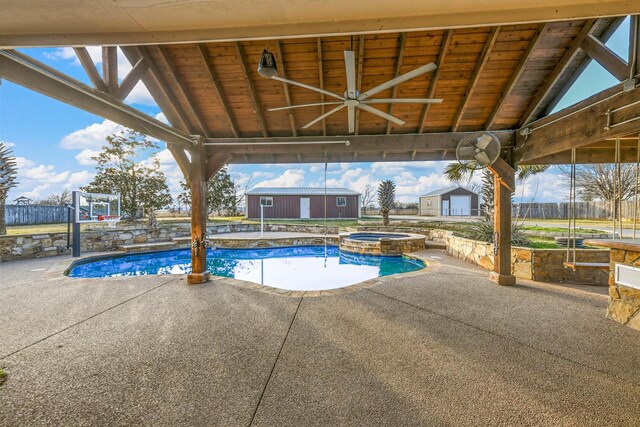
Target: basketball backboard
92	207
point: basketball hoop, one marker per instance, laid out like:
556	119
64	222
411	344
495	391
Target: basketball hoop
111	220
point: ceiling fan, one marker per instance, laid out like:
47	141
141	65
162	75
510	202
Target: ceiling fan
351	99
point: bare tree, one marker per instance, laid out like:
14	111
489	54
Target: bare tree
61	199
597	181
367	198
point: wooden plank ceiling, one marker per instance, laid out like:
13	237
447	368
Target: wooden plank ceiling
490	78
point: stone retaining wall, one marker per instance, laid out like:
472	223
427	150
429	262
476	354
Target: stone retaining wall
543	265
624	305
272	243
384	246
108	239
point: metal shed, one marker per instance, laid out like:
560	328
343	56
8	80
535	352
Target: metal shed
452	201
303	203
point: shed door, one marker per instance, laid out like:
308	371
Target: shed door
445	208
305	207
461	205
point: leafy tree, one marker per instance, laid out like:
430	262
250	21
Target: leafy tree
8	172
222	194
386	199
367	198
120	171
61	199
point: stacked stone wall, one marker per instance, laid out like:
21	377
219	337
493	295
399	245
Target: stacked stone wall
624	304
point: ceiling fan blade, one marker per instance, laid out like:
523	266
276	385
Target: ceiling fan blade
484	141
379	113
400	79
352	119
306	86
403	101
350	65
316	104
467	153
325	115
483	159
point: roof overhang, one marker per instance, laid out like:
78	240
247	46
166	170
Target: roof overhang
25	23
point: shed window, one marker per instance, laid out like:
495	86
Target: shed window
266	201
341	201
428	203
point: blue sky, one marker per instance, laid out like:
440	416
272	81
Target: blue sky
53	142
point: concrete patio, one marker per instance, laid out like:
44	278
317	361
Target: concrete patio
444	347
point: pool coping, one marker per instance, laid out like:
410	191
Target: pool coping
58	270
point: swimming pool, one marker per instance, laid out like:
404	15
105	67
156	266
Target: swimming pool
299	268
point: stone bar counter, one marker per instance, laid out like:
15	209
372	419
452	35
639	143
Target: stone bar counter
624	288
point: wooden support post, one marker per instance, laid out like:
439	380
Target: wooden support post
504	183
110	69
198	185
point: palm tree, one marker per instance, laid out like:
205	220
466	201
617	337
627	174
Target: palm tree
386	199
8	171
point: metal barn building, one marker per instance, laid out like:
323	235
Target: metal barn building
452	201
303	203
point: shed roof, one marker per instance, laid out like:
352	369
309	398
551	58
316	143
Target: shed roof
442	191
301	191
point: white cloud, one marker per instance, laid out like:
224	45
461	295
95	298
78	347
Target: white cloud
91	137
85	157
290	178
37	181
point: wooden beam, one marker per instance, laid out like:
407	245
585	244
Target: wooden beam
444	48
321	83
606	57
582	124
584	63
252	90
475	77
158	88
287	95
163	53
90	68
634	46
587	155
549	83
335	144
198	187
132	79
359	68
34	75
204	54
110	68
515	77
400	56
502	173
342	157
216	162
181	159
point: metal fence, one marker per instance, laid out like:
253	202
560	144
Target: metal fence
35	214
584	210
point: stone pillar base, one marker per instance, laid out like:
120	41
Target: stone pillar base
502	279
197	278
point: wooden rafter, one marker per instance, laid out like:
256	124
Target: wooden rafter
634	46
184	92
216	162
90	68
605	57
202	50
558	71
394	92
181	159
252	90
581	66
515	77
159	89
110	68
360	67
287	95
321	82
32	74
132	79
475	77
582	124
444	48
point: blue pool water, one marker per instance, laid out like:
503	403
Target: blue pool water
301	268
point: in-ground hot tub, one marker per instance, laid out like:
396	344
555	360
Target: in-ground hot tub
378	243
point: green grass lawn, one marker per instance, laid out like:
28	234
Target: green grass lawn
543	243
559	229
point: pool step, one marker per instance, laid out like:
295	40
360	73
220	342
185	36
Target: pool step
433	245
143	247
